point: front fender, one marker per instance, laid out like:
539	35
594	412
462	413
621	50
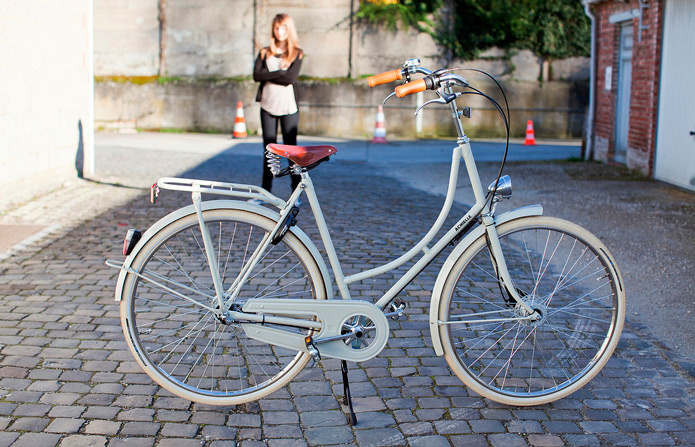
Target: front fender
532	210
220	204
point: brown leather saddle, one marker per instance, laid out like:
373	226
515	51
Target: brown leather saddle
304	156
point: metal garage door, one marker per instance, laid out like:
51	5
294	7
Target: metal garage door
675	143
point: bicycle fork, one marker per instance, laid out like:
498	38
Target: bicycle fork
500	265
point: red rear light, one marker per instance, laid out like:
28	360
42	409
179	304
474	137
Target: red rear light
154	193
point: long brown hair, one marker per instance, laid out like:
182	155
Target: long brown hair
292	51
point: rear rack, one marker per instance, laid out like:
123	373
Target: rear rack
220	188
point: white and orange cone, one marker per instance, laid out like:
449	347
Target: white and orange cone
380	129
530	136
239	122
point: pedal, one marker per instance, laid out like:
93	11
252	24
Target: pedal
312	349
397	309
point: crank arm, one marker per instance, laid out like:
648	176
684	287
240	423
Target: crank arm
347	336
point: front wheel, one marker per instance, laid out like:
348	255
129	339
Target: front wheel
167	308
567	276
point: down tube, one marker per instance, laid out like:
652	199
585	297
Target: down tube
428	257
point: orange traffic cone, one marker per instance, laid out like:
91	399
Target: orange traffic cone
530	137
239	122
380	129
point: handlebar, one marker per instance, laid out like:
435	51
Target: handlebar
385	78
431	81
416	86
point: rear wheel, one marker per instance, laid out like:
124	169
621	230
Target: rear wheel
566	275
180	343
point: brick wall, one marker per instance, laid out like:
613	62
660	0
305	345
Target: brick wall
644	84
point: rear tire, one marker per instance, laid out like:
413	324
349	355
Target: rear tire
181	345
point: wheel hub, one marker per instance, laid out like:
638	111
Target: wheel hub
539	308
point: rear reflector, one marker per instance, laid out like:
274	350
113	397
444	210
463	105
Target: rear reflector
154	193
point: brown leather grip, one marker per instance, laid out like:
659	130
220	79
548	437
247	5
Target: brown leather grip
411	87
385	78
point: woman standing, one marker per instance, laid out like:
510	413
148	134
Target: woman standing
277	68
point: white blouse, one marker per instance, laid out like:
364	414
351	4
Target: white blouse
277	99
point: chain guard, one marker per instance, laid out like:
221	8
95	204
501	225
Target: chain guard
333	315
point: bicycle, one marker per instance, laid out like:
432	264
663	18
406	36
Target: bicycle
224	301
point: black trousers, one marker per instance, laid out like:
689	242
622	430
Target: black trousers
289	125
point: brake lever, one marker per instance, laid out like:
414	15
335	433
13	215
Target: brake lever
443	99
388	97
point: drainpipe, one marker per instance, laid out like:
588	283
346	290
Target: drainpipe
589	125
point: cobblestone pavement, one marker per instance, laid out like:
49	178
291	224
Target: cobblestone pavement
67	378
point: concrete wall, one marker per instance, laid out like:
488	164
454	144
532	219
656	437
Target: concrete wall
343	108
126	37
220	38
204	43
45	94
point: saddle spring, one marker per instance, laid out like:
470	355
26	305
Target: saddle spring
273	162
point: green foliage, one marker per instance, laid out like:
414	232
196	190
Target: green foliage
388	13
551	28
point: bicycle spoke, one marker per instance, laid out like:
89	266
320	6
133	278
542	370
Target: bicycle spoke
180	269
278	280
576	303
530	358
181	340
229	252
176	325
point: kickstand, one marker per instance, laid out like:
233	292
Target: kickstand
347	399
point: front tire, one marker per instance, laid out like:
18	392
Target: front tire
180	344
564	273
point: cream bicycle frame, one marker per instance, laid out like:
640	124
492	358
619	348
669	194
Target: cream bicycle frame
462	151
483	207
465	325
